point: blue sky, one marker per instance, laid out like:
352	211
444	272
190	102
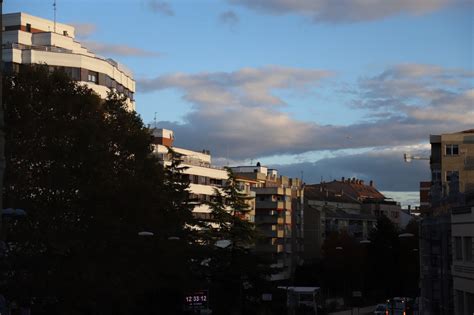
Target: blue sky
297	84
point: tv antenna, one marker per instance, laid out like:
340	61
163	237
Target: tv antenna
54	8
154	121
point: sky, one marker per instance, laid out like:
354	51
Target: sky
318	89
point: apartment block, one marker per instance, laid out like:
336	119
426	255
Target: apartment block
462	229
29	39
452	164
203	176
278	216
347	204
446	240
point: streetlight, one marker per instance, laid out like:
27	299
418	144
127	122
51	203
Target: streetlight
145	233
406	235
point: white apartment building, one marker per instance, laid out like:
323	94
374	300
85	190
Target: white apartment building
29	39
204	178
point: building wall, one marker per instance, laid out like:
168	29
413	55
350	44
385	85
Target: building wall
462	228
41	45
278	216
461	161
436	281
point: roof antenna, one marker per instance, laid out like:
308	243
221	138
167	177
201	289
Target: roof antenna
54	8
154	121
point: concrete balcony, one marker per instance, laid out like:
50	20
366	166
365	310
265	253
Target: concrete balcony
267	219
273	204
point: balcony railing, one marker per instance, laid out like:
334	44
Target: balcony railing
56	49
36	47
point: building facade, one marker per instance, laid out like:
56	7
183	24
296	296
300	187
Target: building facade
29	39
349	205
203	176
446	229
436	282
278	217
462	230
452	164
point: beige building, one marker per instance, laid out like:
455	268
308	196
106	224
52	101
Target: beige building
447	228
452	162
278	216
29	39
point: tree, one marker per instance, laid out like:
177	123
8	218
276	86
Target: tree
383	258
236	273
82	168
342	263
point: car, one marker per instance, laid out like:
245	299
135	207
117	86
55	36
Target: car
380	309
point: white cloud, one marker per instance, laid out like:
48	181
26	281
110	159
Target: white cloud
239	114
118	50
83	30
347	11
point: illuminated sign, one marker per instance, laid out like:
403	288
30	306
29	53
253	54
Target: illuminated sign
197	300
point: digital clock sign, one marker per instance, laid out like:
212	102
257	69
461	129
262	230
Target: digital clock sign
197	300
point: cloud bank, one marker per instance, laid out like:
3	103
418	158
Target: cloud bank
240	114
346	11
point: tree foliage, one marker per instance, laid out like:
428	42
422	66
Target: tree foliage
82	168
236	273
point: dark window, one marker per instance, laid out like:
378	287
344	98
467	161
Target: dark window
458	248
28	27
436	176
12	28
451	175
65	33
452	149
470	303
460	301
468	248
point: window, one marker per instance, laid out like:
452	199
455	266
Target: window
460	301
458	248
436	176
92	76
470	303
452	175
452	149
28	27
468	248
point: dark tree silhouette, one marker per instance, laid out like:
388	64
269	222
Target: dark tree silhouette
82	168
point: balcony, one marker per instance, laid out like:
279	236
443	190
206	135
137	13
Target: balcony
267	219
267	204
274	233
